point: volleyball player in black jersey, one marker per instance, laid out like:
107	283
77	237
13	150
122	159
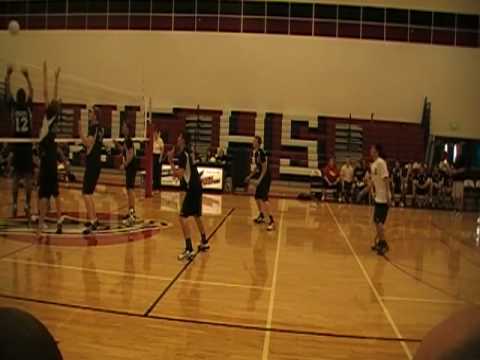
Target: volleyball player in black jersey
93	143
22	153
129	165
191	184
49	156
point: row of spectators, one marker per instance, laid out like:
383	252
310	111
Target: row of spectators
412	184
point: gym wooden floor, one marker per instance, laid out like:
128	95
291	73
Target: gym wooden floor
310	290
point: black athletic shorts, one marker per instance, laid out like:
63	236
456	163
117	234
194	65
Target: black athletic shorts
130	176
380	213
90	179
48	184
192	203
263	188
23	160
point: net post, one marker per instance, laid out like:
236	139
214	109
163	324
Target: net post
148	155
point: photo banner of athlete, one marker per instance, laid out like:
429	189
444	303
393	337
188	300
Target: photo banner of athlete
212	177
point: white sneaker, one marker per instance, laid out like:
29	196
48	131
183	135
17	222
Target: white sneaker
271	226
186	255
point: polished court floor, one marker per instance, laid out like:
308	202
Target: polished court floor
312	289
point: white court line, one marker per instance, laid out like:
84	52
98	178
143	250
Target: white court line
420	300
135	275
266	340
372	287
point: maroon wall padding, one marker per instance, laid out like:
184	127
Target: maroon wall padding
169	125
104	116
182	113
402	141
244	123
131	116
275	143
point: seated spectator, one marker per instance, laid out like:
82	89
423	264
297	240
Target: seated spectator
421	185
360	181
407	185
436	190
331	176
346	179
396	181
221	156
448	190
211	155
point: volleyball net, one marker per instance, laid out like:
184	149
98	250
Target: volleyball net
113	107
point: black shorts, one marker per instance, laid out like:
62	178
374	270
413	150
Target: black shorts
192	204
23	160
263	188
380	213
90	179
47	184
130	176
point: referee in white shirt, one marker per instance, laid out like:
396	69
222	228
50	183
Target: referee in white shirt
380	186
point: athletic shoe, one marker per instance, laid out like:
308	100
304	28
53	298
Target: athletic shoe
382	248
186	255
271	226
132	219
259	220
59	228
204	246
375	247
90	227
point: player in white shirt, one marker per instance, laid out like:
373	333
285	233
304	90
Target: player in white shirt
380	187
